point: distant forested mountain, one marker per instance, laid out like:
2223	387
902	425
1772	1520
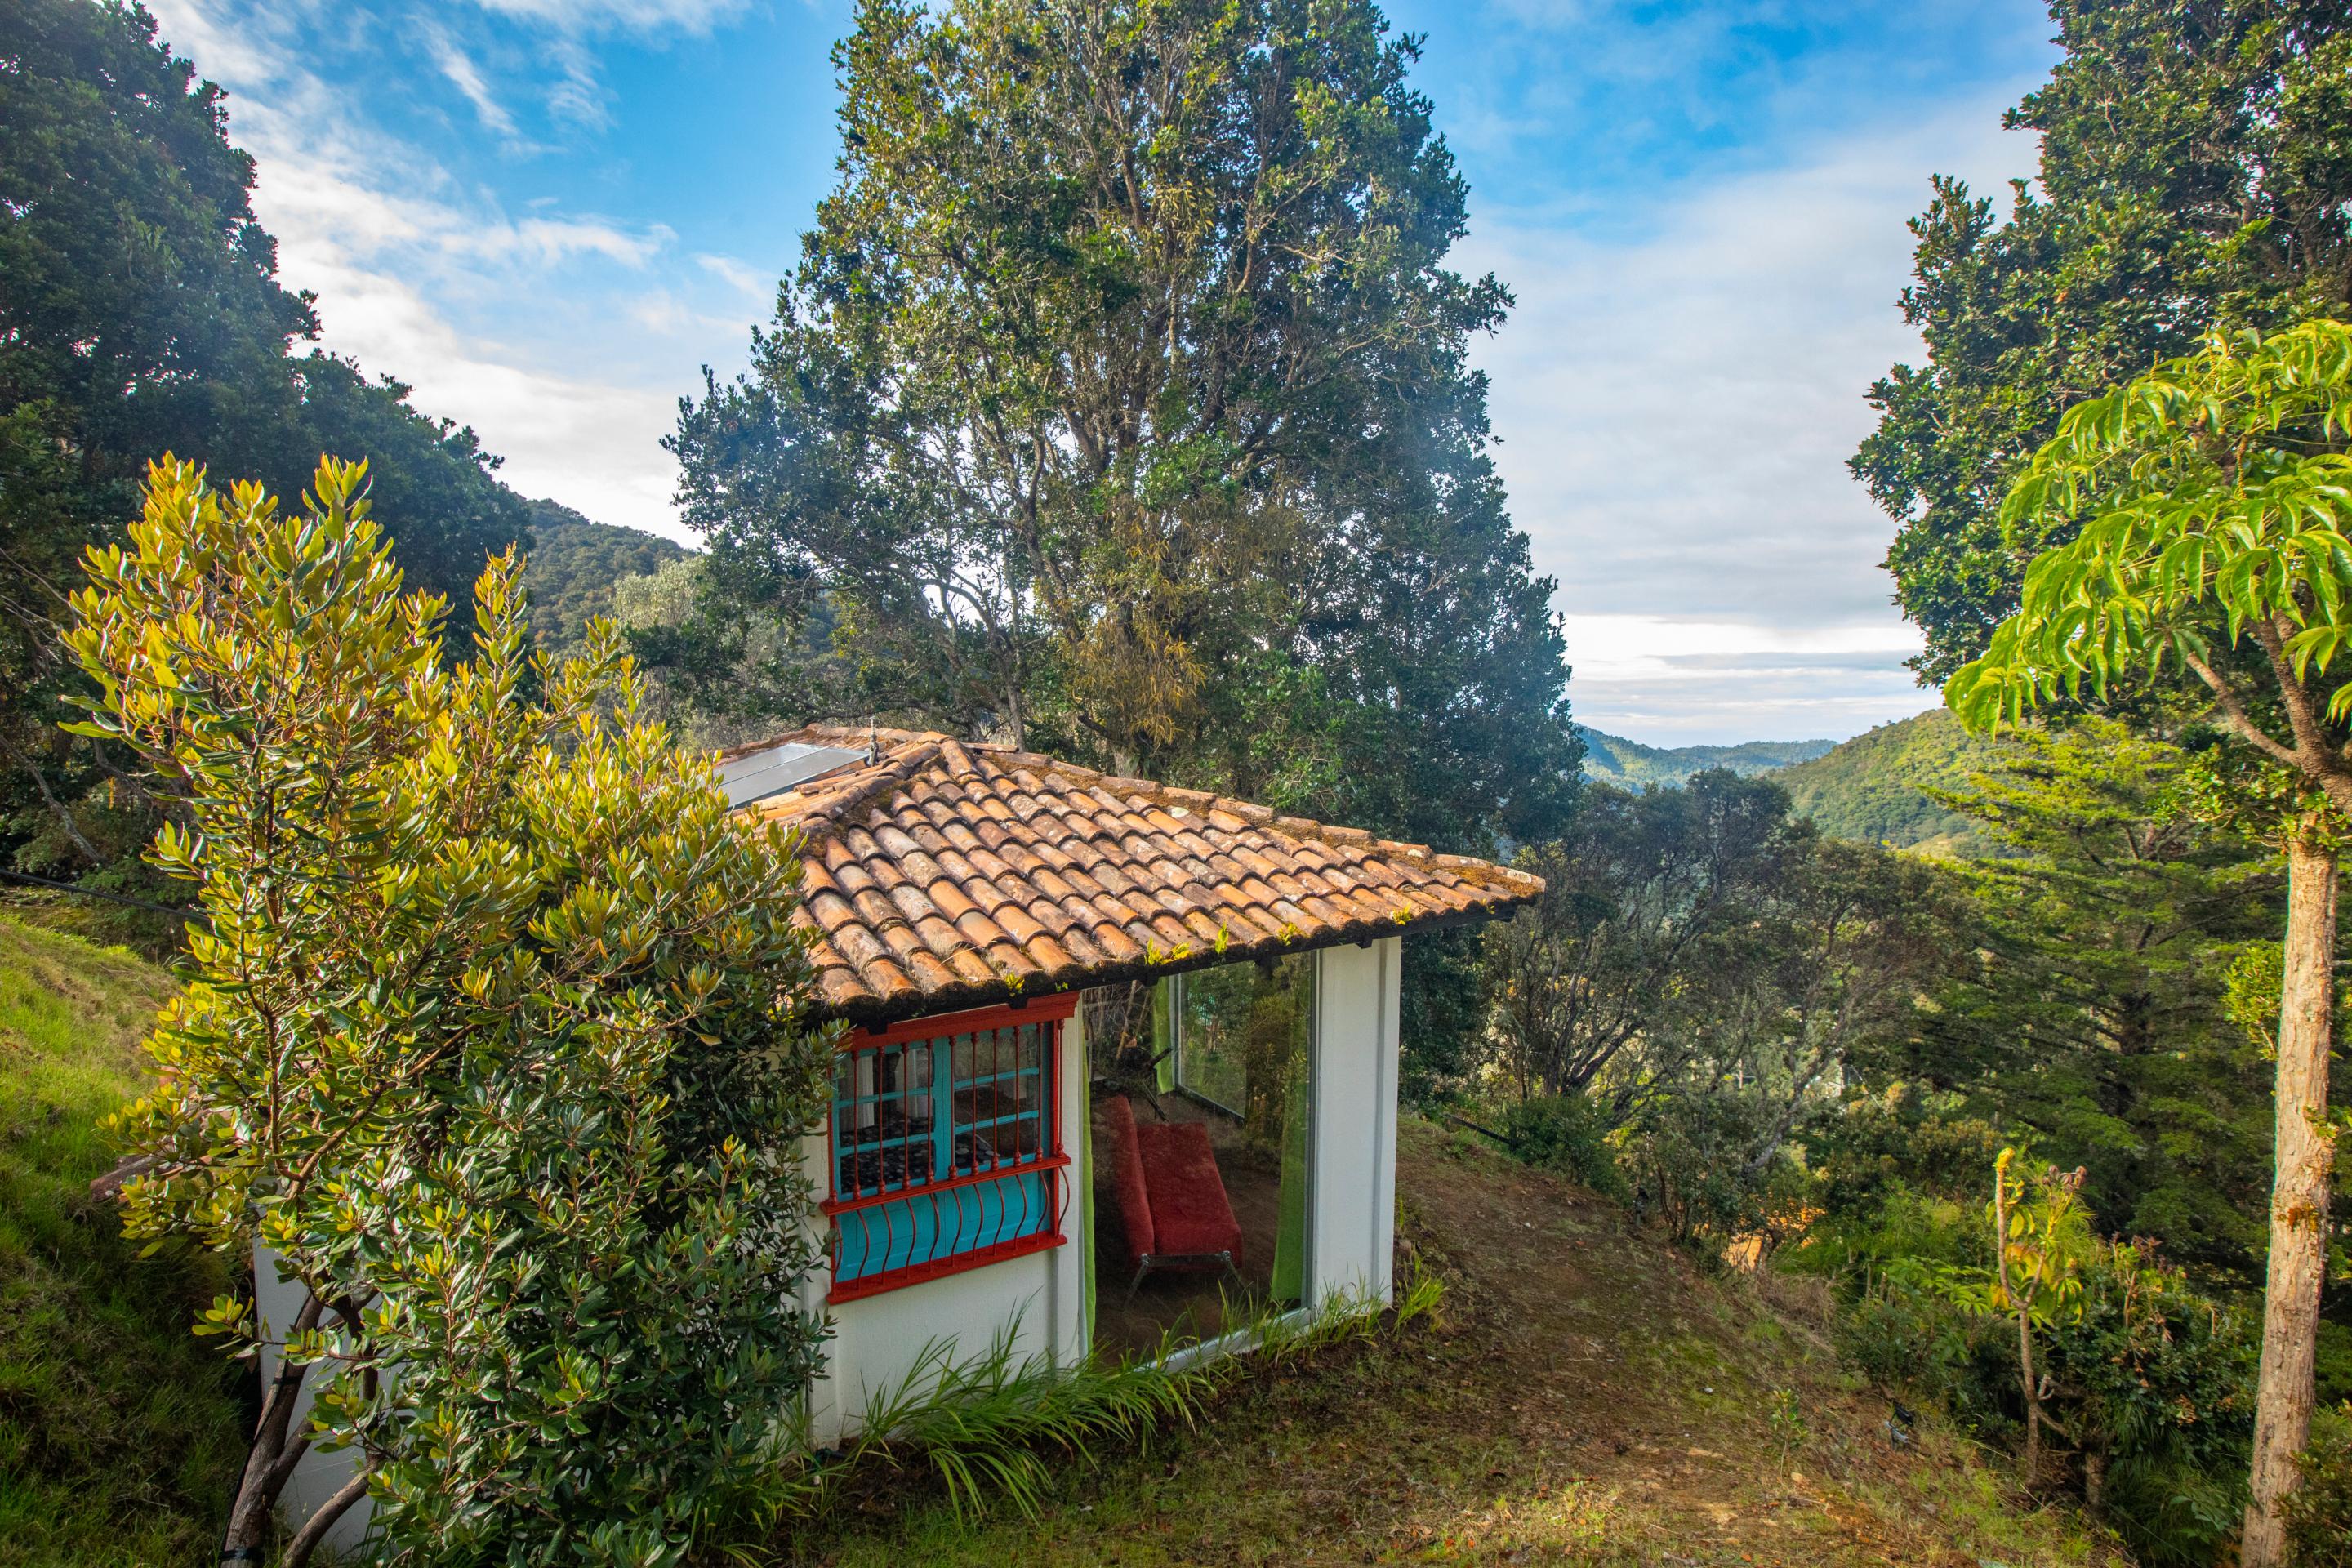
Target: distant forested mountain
1868	789
1629	764
574	563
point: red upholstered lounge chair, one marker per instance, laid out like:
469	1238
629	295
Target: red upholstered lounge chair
1171	1198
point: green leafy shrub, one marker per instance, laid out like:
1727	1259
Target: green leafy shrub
1868	1145
1566	1133
1688	1160
2150	1381
2319	1512
2160	1382
492	1037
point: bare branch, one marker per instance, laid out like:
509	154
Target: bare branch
308	1539
2233	707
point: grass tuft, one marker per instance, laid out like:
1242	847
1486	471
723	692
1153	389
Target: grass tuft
987	1426
119	1431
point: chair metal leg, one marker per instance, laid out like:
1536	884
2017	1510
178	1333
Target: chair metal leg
1136	1284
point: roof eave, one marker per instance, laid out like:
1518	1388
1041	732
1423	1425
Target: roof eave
877	1010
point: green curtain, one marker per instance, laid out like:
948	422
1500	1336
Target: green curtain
1084	1176
1163	1032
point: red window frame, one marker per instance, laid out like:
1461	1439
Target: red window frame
1048	1164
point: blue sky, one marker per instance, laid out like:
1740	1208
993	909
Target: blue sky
547	215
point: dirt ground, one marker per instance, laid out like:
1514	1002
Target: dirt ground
1586	1396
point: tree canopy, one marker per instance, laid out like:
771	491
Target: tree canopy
140	315
2193	174
1121	402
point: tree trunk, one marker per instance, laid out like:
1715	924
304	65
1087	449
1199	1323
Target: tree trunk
277	1449
2298	1258
2023	1304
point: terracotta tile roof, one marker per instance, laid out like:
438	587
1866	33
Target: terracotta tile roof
948	875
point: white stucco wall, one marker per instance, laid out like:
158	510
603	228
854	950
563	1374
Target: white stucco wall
876	1339
317	1475
1351	1245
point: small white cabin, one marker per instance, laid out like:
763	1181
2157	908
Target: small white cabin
1084	1008
1120	1058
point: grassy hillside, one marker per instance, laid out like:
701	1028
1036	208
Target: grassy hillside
1629	764
1868	789
573	564
1585	1395
120	1434
1586	1398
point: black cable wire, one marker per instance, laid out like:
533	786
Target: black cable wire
182	914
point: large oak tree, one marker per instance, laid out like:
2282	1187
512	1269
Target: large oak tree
1120	404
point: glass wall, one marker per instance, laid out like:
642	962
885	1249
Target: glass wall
1243	1046
1229	1052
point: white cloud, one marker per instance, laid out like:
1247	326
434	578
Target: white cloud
743	278
577	96
1676	411
1674	681
401	257
466	78
691	17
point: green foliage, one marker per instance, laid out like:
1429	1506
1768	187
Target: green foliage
2041	1232
1696	979
1881	786
2149	1381
120	1436
1871	1144
575	565
1630	893
492	1037
1121	404
1629	764
1690	1157
2192	176
142	315
2208	496
992	1425
2319	1512
1566	1133
2108	926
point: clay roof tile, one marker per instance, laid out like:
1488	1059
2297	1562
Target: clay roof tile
946	875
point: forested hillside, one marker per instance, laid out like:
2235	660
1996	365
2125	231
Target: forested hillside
1629	764
1868	789
574	563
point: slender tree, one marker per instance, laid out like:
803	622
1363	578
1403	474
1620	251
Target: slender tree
2207	503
